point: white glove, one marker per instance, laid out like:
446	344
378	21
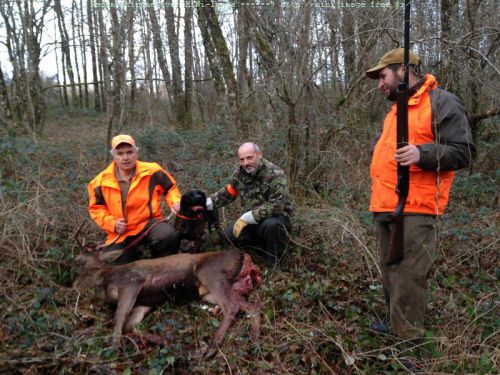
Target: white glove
210	204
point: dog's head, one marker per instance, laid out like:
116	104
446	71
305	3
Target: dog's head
193	204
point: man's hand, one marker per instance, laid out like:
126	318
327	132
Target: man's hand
407	155
120	226
175	208
242	222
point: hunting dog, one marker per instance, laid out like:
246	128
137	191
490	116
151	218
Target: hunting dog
223	278
192	217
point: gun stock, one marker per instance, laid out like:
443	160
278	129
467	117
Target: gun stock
396	246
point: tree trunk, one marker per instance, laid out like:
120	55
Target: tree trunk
449	12
198	77
60	87
147	86
243	42
75	28
66	49
300	138
95	78
227	67
173	46
64	83
210	54
131	53
188	66
158	45
81	38
16	51
117	70
4	97
103	61
349	47
146	31
32	29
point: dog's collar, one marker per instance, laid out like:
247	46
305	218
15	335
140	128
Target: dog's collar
198	217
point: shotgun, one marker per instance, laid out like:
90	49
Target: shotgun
396	248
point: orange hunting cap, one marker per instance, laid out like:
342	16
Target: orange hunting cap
122	138
396	56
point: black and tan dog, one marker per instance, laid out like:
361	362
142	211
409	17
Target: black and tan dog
223	278
190	222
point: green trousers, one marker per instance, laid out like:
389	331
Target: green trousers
405	283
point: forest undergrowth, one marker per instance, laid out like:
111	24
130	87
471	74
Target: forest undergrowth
318	302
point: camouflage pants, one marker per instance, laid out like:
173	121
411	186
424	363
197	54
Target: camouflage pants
405	284
162	240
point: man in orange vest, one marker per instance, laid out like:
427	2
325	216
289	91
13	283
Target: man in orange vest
439	142
125	200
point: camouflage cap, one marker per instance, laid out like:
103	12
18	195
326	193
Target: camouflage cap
396	56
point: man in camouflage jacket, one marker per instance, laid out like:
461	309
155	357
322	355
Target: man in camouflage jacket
263	192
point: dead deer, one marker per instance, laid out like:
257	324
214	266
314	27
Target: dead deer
223	278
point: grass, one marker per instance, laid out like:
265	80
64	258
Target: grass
317	305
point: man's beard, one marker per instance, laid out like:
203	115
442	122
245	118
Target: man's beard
393	95
251	169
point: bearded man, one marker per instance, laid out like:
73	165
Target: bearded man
265	202
439	142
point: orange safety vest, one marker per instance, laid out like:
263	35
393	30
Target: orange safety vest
143	203
429	190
